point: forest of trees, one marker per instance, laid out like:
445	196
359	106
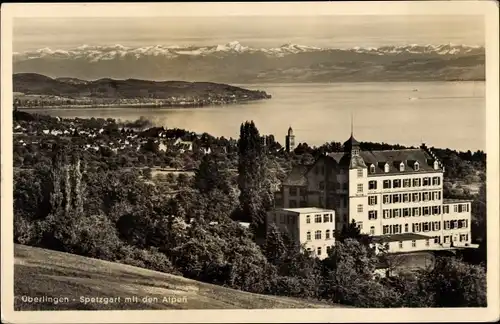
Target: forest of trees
67	203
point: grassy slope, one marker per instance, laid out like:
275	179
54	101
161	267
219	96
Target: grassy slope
40	272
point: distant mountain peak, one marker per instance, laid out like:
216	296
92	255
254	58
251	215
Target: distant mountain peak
95	53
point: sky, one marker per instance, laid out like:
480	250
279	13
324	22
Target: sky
255	31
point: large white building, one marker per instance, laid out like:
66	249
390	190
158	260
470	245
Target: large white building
312	227
388	193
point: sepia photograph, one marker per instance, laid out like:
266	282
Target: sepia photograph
299	159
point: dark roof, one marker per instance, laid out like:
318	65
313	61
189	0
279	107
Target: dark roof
399	237
297	177
350	143
392	157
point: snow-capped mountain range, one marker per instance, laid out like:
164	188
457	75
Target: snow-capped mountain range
237	63
98	53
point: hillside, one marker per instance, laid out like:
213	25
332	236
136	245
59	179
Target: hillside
171	92
236	63
40	272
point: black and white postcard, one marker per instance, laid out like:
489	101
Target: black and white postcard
250	162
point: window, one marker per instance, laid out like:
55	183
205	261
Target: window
406	228
386	168
426	181
464	237
293	204
436	165
387	184
293	191
426	196
437	239
416	211
446	209
319	250
387	213
360	188
438	195
327	234
360	225
446	239
436	181
418	227
426	227
447	225
400	244
426	211
372	185
406	197
396	183
396	198
416	166
360	173
413	243
414	197
427	242
437	226
372	230
308	237
372	214
317	235
455	208
395	213
360	208
372	200
406	212
322	185
372	168
385	229
387	199
417	182
406	183
326	218
396	229
435	210
401	167
317	218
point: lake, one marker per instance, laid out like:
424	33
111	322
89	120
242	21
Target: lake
442	114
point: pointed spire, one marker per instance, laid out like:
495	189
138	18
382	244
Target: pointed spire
352	122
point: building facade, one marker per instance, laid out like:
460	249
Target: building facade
389	192
312	227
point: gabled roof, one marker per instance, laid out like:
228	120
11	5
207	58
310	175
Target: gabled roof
297	177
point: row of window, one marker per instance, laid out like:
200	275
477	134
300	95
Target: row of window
327	218
421	227
437	240
457	208
317	235
407	197
406	183
454	224
410	212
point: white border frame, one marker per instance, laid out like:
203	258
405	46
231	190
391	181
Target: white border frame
488	9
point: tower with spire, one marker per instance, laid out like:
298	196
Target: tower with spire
290	140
